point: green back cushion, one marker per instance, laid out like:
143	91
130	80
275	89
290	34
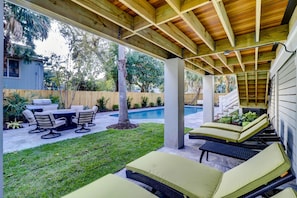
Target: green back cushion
110	186
286	193
224	126
186	176
257	171
253	130
226	135
257	120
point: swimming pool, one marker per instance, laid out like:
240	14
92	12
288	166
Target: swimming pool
157	113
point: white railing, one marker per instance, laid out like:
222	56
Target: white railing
228	104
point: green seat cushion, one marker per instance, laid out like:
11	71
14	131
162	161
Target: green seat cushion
110	186
253	130
189	177
286	193
230	127
221	134
267	165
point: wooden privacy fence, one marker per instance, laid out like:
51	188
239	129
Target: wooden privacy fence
89	98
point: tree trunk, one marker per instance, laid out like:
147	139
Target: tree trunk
123	109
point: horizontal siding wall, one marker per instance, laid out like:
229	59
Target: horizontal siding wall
271	106
287	97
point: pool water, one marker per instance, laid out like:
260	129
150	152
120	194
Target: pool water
157	113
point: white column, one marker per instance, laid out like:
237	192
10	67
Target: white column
1	99
208	98
174	103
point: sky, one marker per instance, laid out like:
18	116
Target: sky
55	43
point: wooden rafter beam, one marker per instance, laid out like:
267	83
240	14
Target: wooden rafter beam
246	88
211	62
258	20
239	58
193	68
245	41
223	59
222	14
201	66
148	12
116	15
256	58
73	14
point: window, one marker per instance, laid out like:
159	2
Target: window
12	69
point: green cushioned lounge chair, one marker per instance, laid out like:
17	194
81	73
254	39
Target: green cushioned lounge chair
226	136
111	186
175	176
232	127
286	193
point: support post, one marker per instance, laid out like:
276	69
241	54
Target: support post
1	98
208	98
174	103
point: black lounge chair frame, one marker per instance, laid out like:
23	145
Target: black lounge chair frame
170	192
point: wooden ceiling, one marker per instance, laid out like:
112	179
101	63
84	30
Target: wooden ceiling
198	31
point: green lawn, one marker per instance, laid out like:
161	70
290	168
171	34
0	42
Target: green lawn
56	169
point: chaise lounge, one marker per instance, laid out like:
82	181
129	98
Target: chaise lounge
175	176
232	127
234	138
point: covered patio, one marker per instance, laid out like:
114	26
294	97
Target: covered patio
254	40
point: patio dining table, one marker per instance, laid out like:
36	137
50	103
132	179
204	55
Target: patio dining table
66	113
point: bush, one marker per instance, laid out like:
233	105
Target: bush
13	106
136	106
249	116
159	101
101	103
152	104
55	99
226	120
129	100
115	107
144	101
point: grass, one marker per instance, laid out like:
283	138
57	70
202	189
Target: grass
54	170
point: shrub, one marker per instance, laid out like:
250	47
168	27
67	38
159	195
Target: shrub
101	103
129	100
13	106
159	101
115	107
249	116
152	104
144	101
136	106
226	120
55	99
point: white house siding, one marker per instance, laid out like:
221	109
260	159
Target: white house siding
287	107
271	107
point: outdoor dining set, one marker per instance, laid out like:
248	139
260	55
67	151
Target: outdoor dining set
50	118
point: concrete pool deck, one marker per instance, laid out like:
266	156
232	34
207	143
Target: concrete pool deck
20	139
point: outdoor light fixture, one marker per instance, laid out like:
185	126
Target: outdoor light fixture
227	52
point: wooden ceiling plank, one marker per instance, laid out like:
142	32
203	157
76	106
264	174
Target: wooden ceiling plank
108	11
245	41
222	14
211	62
142	8
258	20
175	4
223	59
171	30
239	58
160	41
